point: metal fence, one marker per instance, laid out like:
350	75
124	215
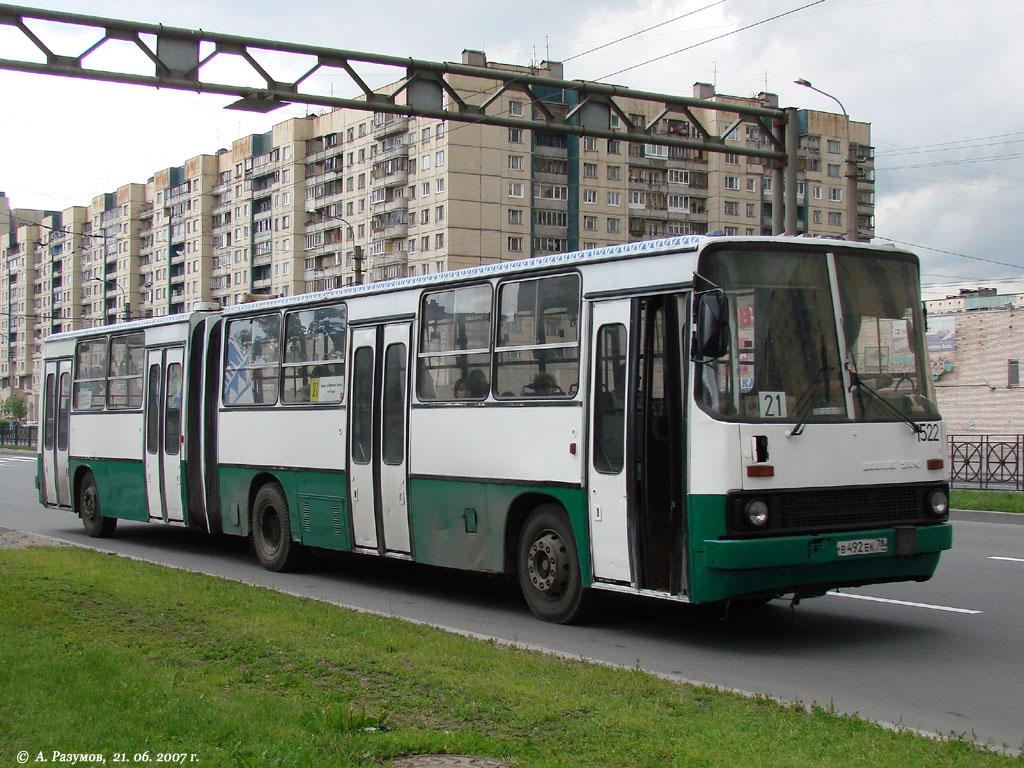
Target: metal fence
16	435
986	462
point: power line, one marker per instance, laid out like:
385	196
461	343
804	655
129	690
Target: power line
713	39
642	31
951	253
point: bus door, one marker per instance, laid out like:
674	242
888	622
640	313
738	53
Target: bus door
378	407
636	467
163	437
607	478
56	415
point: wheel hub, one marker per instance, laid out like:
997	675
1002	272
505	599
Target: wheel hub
548	564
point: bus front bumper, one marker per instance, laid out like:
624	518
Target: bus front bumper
847	547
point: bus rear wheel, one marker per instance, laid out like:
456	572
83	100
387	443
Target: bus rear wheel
270	531
549	567
96	525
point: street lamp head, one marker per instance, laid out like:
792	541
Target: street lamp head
803	82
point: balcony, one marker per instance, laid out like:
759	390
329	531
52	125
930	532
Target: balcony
391	126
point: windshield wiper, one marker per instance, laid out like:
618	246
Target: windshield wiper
856	383
804	403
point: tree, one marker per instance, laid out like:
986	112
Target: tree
14	407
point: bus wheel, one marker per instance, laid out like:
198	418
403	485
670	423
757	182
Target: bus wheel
270	531
96	525
549	567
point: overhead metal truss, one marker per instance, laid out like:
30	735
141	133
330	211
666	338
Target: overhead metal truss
584	107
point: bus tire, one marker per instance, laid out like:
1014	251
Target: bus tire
270	531
549	567
96	525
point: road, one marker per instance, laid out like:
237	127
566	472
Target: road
941	657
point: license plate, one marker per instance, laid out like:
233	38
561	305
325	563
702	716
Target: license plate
862	547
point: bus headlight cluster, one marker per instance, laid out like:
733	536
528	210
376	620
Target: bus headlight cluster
938	503
756	513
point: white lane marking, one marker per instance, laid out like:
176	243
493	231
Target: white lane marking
1010	559
929	606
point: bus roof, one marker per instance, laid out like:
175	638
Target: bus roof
680	244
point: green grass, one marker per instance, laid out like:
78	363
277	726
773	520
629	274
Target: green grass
992	501
104	654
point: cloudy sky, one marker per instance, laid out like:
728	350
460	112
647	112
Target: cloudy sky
937	80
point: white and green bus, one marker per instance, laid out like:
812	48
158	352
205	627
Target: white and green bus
700	419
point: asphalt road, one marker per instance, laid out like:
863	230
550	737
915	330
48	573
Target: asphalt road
944	656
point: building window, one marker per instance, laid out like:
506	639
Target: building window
515	244
589	144
833	170
614	145
515	162
732	208
439	159
590	196
515	215
614	226
732	159
833	146
835	218
515	108
1013	373
515	135
439	185
732	182
515	189
590	170
835	194
615	198
590	223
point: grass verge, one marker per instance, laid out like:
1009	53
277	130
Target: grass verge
990	501
107	655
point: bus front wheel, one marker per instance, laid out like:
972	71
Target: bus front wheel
270	531
549	567
96	525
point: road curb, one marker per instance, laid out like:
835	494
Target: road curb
980	516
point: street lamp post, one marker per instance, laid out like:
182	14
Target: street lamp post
124	296
851	165
357	250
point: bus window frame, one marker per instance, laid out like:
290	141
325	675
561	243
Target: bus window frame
228	322
497	349
473	352
140	376
283	365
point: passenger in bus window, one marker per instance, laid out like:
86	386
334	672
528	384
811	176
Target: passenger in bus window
543	385
461	389
478	385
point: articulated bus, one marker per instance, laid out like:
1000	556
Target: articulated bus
699	419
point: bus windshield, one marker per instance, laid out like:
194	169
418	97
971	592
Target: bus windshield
791	344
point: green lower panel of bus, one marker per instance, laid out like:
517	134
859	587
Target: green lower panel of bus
462	523
316	502
723	568
121	484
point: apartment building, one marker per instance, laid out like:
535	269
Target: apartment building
354	196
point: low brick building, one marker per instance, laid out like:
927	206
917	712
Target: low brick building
975	358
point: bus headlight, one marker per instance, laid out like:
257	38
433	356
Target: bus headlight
938	503
757	513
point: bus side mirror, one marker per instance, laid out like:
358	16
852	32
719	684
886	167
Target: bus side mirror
711	336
